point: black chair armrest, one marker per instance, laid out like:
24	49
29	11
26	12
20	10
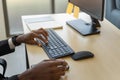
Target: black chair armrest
3	63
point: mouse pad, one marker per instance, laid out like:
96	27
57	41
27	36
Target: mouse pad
82	55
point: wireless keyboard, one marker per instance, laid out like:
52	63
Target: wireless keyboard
56	47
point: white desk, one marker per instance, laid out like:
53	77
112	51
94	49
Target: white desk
105	46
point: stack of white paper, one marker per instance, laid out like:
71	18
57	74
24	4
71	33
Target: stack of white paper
42	22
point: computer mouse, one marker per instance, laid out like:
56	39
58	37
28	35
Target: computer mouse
82	55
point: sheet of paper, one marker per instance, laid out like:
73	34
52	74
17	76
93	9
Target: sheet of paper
39	19
45	25
69	8
42	22
76	12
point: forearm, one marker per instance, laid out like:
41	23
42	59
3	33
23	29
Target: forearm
25	75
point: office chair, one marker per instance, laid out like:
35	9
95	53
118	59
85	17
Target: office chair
113	12
3	63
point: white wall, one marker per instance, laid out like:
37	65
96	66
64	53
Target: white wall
60	6
2	24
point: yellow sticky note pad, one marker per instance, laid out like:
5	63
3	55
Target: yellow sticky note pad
69	8
76	11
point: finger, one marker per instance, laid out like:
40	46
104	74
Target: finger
37	43
39	37
43	36
60	73
44	31
67	67
61	69
58	62
62	62
56	77
58	69
41	31
49	60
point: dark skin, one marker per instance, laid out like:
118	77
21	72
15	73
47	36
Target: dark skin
28	38
47	69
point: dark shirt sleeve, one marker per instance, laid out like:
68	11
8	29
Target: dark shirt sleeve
15	77
4	48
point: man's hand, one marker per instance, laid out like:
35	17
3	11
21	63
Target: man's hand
46	70
29	38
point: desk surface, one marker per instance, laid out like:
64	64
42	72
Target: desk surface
105	46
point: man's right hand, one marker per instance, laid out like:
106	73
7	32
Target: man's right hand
46	70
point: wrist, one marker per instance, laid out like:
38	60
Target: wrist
20	39
15	41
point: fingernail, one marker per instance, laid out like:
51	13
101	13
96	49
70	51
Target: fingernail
46	41
67	67
39	45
